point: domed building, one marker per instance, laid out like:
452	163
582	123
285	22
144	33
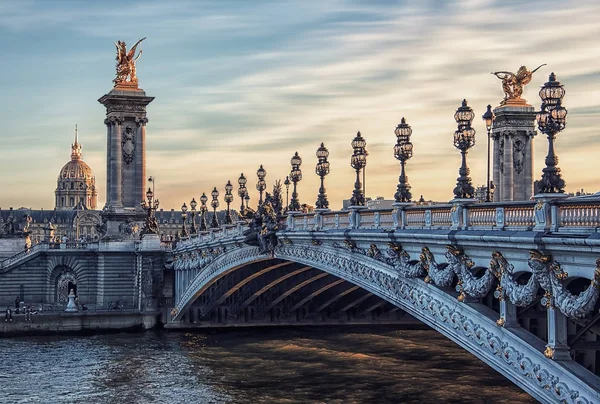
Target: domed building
76	184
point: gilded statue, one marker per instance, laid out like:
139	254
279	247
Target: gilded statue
513	83
126	64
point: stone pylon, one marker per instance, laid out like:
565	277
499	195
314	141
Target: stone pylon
126	158
513	132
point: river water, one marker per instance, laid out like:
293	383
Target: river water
301	365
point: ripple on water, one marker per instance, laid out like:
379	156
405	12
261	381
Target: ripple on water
249	366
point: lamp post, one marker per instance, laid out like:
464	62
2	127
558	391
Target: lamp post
150	225
403	151
193	205
214	224
322	169
203	210
464	139
287	183
261	185
488	118
228	198
295	177
184	232
551	120
242	190
358	161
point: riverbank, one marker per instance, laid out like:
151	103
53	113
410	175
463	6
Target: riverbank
78	323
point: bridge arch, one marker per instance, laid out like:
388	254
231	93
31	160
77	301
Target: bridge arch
470	325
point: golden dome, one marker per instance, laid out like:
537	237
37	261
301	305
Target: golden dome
76	169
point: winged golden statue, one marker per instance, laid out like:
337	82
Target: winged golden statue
126	64
513	83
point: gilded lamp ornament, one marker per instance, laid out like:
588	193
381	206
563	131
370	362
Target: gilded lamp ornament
551	120
295	176
358	161
464	139
126	60
403	151
322	169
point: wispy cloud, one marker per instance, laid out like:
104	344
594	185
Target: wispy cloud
240	84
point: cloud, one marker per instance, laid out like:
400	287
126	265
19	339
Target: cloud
241	84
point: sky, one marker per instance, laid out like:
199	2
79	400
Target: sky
244	83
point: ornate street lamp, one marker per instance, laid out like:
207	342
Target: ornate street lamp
193	205
228	198
184	232
551	120
287	183
214	204
261	185
295	177
488	118
464	139
150	225
203	210
358	161
403	151
242	190
322	169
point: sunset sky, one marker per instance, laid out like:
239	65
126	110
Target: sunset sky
242	83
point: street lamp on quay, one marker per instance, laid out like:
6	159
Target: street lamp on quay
295	177
403	151
551	120
488	118
322	169
214	204
242	190
184	232
287	183
464	139
228	198
193	205
150	225
358	161
203	210
261	185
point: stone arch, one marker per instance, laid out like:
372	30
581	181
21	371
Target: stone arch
469	325
62	268
65	283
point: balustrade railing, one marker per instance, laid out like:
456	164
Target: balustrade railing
567	214
44	246
579	215
521	215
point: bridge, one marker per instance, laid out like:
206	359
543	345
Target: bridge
516	284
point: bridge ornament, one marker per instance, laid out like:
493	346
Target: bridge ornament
545	273
424	304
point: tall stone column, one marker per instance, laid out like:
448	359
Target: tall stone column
496	167
126	158
513	132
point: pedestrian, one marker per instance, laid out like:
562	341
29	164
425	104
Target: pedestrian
17	301
28	313
8	315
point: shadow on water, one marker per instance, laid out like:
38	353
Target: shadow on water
300	365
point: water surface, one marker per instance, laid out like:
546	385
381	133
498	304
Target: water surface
302	365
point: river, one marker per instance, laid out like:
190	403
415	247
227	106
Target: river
302	365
